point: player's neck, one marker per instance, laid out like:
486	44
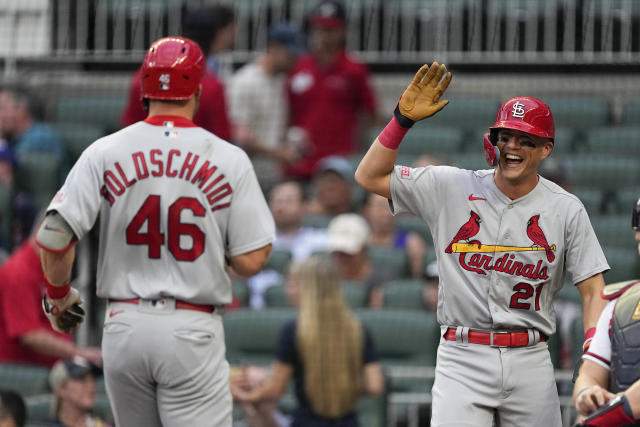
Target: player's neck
514	189
169	109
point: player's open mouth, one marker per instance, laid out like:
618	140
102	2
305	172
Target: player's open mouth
512	159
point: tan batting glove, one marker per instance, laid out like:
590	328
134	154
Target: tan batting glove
421	99
64	314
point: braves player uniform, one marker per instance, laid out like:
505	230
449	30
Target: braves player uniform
173	200
501	261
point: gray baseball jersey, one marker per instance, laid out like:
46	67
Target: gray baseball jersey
501	261
173	199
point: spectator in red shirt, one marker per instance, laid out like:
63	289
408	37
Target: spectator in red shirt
26	335
328	91
212	111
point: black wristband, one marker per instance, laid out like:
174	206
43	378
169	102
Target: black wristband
403	121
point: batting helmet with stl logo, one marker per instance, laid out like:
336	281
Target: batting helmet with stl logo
526	114
172	69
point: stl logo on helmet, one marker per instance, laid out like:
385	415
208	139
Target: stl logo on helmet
518	110
164	79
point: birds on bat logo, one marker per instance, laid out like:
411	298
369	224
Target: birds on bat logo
534	232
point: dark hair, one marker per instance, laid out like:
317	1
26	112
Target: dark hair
202	25
12	405
24	96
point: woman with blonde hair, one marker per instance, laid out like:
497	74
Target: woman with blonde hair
326	350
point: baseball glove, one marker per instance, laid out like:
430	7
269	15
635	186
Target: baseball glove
64	314
421	99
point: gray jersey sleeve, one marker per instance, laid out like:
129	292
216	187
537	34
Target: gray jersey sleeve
78	201
418	190
584	256
251	224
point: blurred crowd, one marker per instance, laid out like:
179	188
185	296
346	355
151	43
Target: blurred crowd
302	109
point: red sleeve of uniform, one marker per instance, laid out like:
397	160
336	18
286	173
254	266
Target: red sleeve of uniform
133	112
212	112
20	299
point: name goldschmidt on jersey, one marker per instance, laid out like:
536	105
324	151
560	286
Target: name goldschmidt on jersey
173	164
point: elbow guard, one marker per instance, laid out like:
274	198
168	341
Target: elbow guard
54	234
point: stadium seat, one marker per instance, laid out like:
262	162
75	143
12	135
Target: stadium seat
564	141
276	297
626	198
278	260
252	335
240	291
38	174
591	198
101	110
403	338
603	172
390	259
471	161
316	221
615	140
28	380
623	263
631	113
403	294
614	230
569	293
411	223
426	139
77	136
471	112
579	111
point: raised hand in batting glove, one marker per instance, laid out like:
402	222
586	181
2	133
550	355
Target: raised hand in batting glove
421	99
65	313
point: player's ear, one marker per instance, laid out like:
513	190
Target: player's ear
547	148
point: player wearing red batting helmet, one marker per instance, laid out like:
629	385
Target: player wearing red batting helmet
177	205
498	269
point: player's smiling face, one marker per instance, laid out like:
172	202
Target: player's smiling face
520	155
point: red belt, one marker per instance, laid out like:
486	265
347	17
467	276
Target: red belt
179	305
495	338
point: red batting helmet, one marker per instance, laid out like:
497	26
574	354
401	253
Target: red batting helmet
172	69
526	114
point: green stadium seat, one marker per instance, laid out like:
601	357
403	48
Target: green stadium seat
564	141
411	223
252	335
391	259
623	263
39	175
591	198
631	113
467	112
240	291
403	294
579	111
316	221
28	380
626	198
77	137
276	297
569	293
614	230
403	338
278	260
615	140
6	213
577	339
603	172
427	139
101	110
471	161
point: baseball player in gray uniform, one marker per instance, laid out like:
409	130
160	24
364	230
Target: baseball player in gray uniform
504	239
607	391
176	205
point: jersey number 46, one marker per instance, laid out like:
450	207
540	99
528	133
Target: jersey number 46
150	212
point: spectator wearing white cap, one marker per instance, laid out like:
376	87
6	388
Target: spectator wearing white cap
348	242
73	383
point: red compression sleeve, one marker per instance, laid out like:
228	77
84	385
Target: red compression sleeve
56	292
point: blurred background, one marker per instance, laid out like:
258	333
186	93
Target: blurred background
73	63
